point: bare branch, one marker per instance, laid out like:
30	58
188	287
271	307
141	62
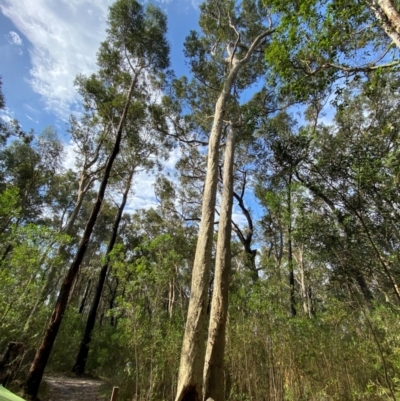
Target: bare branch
237	39
256	42
368	67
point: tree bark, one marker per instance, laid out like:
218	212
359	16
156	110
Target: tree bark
290	251
190	378
214	386
391	13
389	18
85	183
80	363
43	352
246	240
193	349
86	293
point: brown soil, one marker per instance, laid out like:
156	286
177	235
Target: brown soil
62	388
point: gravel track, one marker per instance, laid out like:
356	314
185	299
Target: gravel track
62	388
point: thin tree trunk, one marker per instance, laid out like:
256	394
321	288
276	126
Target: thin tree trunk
290	251
171	297
303	286
113	319
360	279
246	240
83	302
8	249
80	363
84	186
306	291
385	266
43	352
214	386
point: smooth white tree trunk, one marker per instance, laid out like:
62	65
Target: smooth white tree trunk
190	378
214	382
193	349
389	18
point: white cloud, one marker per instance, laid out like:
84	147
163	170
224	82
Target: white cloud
70	151
7	115
14	38
65	37
33	120
142	196
238	217
31	109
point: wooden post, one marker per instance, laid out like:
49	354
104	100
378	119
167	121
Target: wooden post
114	394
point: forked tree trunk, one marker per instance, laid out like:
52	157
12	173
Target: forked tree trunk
214	383
43	352
190	378
80	363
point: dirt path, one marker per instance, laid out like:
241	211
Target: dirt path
62	388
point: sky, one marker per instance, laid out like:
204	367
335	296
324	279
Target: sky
44	44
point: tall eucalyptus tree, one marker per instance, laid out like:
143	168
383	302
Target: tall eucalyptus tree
225	59
135	48
139	148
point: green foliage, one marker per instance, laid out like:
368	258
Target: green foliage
139	31
34	252
9	209
333	356
315	35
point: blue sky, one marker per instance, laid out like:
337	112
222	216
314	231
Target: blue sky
44	44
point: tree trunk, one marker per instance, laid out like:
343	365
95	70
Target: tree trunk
43	352
83	302
190	378
360	279
290	251
246	239
389	18
84	185
214	386
10	361
80	363
8	249
306	291
391	13
113	297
